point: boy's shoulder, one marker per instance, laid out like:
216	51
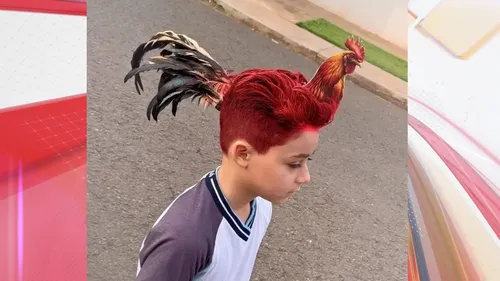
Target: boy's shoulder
183	234
192	210
188	224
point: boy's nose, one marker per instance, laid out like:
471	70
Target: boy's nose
305	177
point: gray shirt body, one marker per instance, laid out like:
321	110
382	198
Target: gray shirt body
199	238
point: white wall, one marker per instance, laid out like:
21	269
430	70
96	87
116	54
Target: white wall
386	18
43	56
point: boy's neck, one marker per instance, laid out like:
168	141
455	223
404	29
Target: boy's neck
237	196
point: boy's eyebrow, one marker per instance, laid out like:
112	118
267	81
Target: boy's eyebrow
303	155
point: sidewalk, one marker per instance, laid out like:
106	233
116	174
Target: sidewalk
278	18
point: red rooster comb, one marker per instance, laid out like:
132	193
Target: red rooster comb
356	47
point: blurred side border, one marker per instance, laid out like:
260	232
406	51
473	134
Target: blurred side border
43	176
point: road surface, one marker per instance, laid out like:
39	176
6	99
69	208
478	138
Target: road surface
349	224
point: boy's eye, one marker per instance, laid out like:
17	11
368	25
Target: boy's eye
297	165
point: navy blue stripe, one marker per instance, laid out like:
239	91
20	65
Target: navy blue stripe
223	200
250	224
241	234
251	217
419	251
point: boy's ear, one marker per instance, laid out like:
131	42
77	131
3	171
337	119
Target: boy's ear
241	152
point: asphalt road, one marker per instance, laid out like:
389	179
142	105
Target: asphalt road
349	224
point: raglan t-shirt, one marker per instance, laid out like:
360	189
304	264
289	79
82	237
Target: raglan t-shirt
199	237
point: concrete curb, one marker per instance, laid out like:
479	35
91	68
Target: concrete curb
248	13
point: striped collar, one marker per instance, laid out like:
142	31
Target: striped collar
241	229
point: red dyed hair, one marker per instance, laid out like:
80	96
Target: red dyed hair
267	108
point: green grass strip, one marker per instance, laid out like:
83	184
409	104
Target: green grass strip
374	55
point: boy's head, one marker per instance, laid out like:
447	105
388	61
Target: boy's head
269	126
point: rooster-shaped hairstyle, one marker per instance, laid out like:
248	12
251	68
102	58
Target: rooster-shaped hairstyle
188	71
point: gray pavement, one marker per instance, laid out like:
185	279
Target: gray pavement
349	224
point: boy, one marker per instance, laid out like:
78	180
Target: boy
269	122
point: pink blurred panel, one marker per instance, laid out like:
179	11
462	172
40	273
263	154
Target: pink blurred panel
65	7
43	191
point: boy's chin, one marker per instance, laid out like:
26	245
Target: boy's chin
279	201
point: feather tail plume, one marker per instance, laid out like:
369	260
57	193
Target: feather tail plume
188	71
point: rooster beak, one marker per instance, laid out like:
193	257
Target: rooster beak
355	61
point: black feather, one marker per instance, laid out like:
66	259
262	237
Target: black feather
174	65
174	99
187	71
139	54
168	92
174	84
194	56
